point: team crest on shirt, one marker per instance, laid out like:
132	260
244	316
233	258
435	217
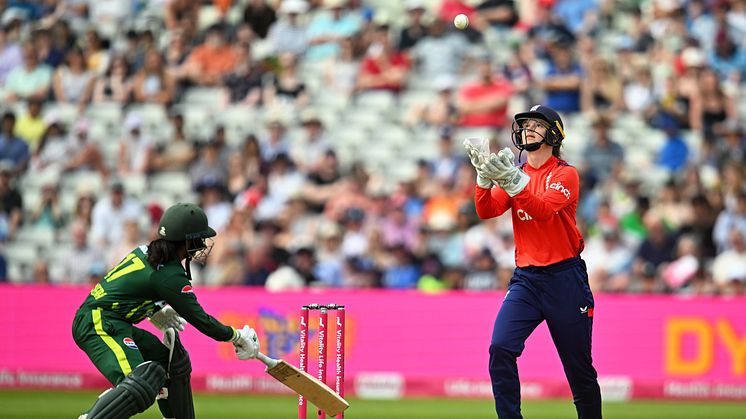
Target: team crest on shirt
129	343
187	289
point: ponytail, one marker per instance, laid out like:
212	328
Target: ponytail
162	251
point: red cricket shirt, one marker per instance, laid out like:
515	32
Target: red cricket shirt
543	213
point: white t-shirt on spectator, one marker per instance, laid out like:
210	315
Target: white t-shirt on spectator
107	225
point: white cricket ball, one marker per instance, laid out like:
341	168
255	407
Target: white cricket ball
461	21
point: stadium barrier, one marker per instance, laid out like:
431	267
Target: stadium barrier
407	344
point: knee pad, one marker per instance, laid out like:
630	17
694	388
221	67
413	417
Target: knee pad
133	395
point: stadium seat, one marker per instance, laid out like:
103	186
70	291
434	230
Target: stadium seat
41	237
170	183
21	252
213	97
377	101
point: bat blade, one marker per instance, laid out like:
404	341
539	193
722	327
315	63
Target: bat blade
309	387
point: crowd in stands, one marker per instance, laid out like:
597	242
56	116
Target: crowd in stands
323	137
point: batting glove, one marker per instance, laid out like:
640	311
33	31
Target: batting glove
246	343
166	318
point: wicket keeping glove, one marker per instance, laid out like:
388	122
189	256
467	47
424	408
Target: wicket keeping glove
246	343
166	318
501	170
477	158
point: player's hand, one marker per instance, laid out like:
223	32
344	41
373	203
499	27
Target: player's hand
509	177
477	158
246	343
166	318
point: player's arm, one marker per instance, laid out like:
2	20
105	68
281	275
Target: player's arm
177	291
562	191
491	202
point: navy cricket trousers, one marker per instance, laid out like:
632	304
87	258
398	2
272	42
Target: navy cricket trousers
559	294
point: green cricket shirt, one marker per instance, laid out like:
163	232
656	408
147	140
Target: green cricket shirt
134	290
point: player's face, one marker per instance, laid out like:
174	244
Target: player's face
534	130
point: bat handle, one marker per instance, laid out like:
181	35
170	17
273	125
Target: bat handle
269	362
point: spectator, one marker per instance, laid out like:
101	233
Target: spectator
96	52
403	273
47	52
441	53
330	259
482	273
72	82
153	84
712	107
109	214
727	59
604	156
211	61
383	68
602	90
284	181
328	28
135	148
682	271
244	83
10	56
446	163
275	141
12	148
48	214
114	85
484	102
213	199
30	126
260	16
732	218
340	71
309	153
208	167
674	155
498	15
638	93
77	262
732	148
83	154
83	211
562	83
30	80
729	267
416	29
286	88
288	34
656	250
11	203
438	111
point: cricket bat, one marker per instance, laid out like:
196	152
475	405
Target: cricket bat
304	384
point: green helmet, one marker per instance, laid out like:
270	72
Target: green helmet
183	222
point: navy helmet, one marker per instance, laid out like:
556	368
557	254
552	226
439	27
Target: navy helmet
552	121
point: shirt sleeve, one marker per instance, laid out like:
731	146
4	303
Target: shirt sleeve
491	202
561	191
178	293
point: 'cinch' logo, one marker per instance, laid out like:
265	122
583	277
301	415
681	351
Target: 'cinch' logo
557	186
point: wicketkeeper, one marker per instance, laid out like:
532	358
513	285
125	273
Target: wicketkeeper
151	282
550	282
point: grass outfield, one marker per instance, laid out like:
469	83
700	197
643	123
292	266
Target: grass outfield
50	405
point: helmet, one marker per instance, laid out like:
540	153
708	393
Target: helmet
555	128
187	222
183	222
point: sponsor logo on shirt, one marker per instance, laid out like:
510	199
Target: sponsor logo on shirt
128	342
523	215
557	186
187	289
549	176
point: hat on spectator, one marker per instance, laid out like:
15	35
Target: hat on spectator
414	5
692	57
12	14
132	122
334	4
81	126
6	166
116	185
328	230
293	7
444	82
310	116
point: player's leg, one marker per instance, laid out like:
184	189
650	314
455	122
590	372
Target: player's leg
569	311
176	400
110	345
517	318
